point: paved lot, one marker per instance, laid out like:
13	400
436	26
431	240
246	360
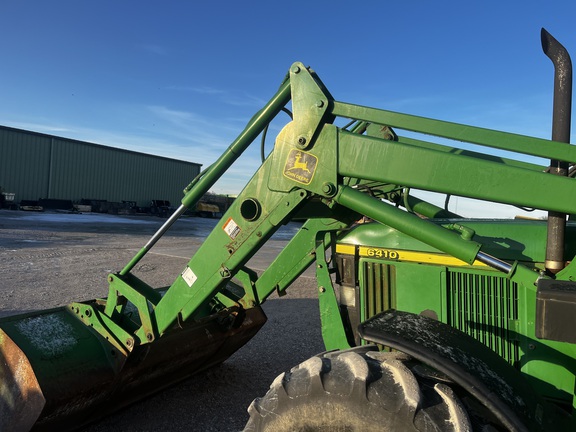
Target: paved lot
48	260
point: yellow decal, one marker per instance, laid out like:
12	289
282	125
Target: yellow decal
380	253
300	166
402	255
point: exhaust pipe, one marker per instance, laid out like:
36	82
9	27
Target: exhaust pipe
560	132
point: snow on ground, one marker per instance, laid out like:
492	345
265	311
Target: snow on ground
62	217
202	226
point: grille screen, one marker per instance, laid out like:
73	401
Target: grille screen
379	288
483	307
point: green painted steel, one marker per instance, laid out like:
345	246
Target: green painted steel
256	125
378	292
521	144
510	239
485	306
205	180
333	178
296	257
419	206
460	175
333	328
418	228
494	309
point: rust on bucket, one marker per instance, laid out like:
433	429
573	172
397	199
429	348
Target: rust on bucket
21	400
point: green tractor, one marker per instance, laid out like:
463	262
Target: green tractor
432	322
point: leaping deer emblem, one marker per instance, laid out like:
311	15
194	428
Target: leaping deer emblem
298	164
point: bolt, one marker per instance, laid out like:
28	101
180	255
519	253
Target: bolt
149	337
302	140
129	343
88	313
322	289
319	103
329	188
531	346
295	69
110	279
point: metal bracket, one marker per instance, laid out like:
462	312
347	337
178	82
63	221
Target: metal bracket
122	340
333	329
140	295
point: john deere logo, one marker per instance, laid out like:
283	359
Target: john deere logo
300	166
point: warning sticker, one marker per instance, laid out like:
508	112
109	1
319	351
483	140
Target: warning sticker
231	228
300	166
189	276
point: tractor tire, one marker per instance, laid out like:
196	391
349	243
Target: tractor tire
359	390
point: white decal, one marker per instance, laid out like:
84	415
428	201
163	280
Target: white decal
189	276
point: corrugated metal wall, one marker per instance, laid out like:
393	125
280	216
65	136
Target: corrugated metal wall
35	166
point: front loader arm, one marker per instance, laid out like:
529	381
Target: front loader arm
316	170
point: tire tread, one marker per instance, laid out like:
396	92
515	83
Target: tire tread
357	389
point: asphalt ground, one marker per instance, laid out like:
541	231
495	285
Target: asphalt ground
49	260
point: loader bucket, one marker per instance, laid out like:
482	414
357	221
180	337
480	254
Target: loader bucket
56	373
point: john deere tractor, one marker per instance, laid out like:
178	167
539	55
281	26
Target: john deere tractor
431	321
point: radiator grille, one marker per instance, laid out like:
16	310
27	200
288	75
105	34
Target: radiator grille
379	288
485	307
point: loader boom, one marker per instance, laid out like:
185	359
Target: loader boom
320	162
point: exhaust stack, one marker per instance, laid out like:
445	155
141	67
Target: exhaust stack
560	132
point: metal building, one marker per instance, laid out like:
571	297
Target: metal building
38	166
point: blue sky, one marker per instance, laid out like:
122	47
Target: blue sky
181	78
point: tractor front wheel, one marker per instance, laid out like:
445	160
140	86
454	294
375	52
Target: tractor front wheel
357	390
